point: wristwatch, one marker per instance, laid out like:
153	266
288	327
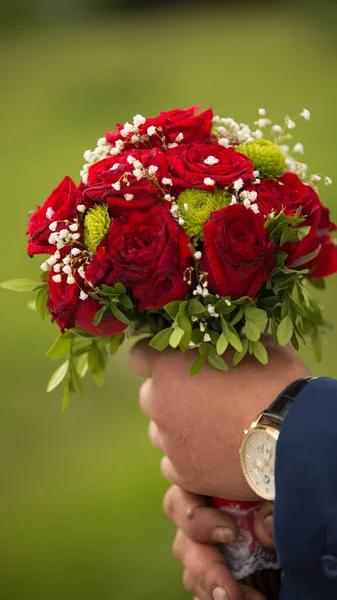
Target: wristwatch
258	449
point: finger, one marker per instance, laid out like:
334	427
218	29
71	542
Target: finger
191	585
154	436
142	358
264	525
201	522
169	472
146	396
207	566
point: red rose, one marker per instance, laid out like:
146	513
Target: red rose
147	252
291	193
237	256
193	164
59	206
193	127
69	310
130	192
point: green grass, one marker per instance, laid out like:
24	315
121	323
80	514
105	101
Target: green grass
81	492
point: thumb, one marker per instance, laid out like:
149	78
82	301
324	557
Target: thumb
264	525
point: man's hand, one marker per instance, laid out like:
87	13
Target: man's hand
200	527
198	422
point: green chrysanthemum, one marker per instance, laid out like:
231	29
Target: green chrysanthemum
96	225
266	157
195	207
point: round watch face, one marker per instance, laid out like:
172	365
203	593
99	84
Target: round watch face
258	460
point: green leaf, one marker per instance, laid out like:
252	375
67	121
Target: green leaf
237	317
93	356
41	302
20	285
98	377
77	380
316	345
294	342
195	307
288	235
120	288
161	340
302	260
285	331
172	308
81	333
60	348
319	284
217	361
82	365
303	231
115	342
259	350
223	308
176	337
99	316
118	314
197	364
58	376
253	332
126	302
239	356
197	336
222	344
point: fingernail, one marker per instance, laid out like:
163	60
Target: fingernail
223	535
220	593
268	526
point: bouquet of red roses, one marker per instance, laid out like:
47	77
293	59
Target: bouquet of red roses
188	227
193	229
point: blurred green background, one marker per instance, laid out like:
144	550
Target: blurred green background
81	492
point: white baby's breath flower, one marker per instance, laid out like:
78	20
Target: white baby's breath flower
315	178
257	134
73	227
207	337
76	236
138	120
223	141
328	181
262	123
129	197
57	268
114	167
290	124
151	130
131	159
181	221
116	186
211	160
262	112
166	181
202	327
209	181
127	129
67	270
238	184
44	266
81	208
53	226
75	251
254	208
138	173
49	213
179	138
197	255
298	148
228	302
81	272
277	128
70	280
57	278
233	200
306	114
83	295
152	169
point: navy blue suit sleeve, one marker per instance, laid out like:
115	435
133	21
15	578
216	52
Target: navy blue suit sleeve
306	494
